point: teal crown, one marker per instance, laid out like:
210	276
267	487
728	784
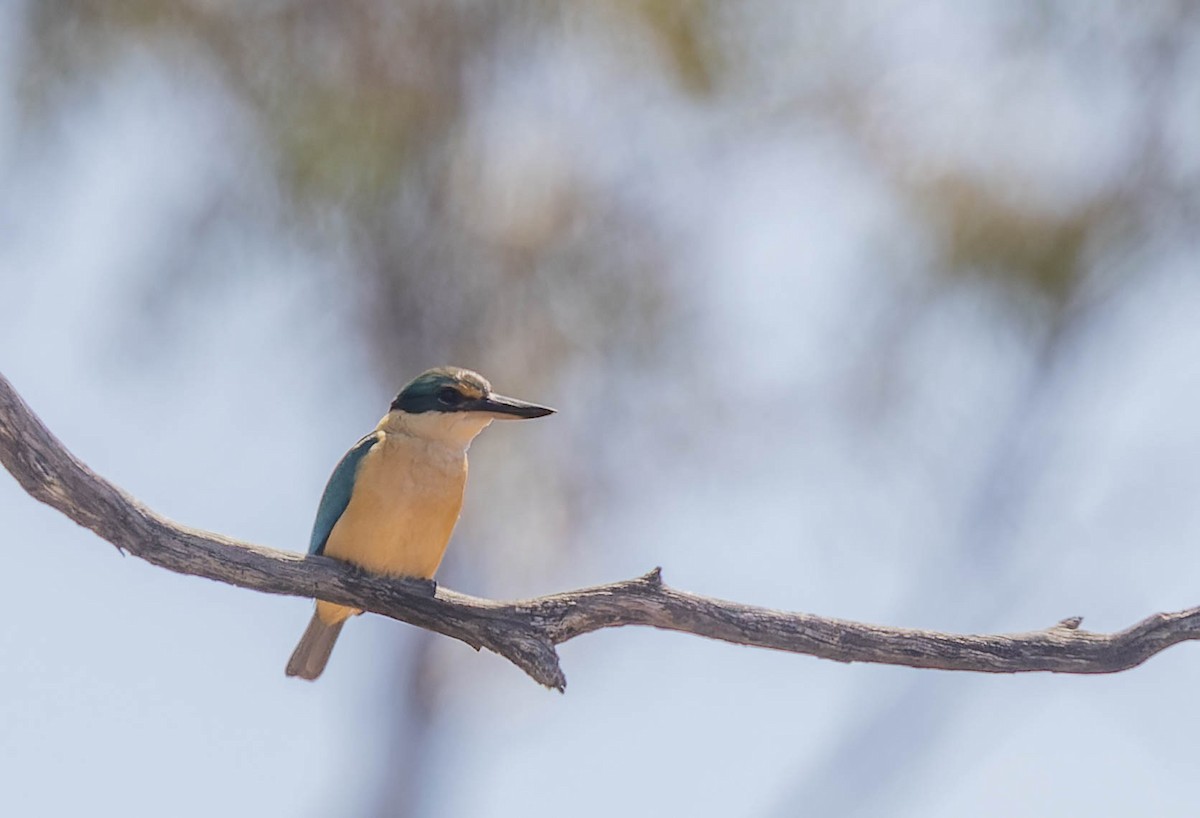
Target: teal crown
451	389
444	389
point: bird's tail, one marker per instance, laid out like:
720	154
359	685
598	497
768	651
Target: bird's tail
310	656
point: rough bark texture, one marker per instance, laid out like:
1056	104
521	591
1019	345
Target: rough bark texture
526	632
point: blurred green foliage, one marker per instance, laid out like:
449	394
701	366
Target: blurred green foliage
367	109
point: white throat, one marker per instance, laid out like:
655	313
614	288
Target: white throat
454	430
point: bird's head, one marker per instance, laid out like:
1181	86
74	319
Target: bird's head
453	404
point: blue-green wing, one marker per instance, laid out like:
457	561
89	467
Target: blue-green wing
337	493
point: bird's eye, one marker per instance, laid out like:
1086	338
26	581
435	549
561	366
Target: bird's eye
449	397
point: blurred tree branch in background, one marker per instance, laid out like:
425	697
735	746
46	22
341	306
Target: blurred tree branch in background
526	632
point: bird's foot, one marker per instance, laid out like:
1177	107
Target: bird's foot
420	586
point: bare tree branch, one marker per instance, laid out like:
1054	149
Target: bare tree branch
526	632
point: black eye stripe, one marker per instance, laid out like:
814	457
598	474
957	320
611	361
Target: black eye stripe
435	391
448	396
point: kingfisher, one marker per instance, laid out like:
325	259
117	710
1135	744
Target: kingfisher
393	500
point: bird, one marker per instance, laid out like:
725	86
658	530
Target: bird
393	500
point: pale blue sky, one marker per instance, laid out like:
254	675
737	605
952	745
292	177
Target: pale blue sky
132	691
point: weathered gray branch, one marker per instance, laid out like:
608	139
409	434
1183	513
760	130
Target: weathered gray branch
526	632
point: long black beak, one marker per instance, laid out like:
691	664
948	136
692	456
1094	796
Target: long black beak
503	408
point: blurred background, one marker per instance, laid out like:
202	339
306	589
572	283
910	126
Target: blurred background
887	311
